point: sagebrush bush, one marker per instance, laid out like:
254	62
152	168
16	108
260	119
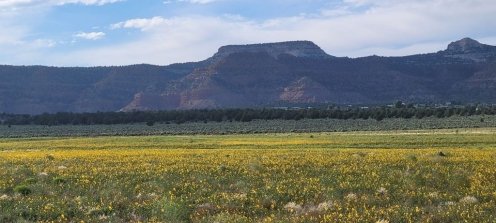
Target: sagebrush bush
23	189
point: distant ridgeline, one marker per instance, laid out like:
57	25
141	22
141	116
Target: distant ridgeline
399	110
257	75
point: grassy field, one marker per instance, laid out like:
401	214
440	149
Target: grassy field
382	176
256	126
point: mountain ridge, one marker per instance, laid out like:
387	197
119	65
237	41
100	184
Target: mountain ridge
256	75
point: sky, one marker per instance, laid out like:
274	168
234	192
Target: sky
161	32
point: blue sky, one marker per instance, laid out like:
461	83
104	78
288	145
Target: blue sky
120	32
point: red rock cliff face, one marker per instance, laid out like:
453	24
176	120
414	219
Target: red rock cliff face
300	72
305	90
256	75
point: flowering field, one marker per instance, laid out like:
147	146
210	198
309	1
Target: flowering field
408	176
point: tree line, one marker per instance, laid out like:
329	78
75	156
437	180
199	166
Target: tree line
378	113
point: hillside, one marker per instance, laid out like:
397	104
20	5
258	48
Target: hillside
256	75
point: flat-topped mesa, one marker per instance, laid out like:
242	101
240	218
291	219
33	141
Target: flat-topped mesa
294	48
467	45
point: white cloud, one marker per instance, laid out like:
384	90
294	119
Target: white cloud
191	1
10	36
19	42
355	28
11	3
6	4
86	2
16	49
199	1
90	35
43	43
143	24
384	28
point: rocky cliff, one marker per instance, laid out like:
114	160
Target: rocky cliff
255	76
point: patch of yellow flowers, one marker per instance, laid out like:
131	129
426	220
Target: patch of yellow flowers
248	185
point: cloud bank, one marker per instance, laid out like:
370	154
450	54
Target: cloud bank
383	28
351	28
142	23
90	35
5	4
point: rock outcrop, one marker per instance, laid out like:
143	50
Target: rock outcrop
466	45
293	48
258	75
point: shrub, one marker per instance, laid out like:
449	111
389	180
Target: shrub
59	180
30	180
22	189
171	211
227	217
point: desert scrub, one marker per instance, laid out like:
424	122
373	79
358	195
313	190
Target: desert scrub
22	189
255	126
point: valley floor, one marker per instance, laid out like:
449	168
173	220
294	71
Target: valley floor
256	126
382	176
